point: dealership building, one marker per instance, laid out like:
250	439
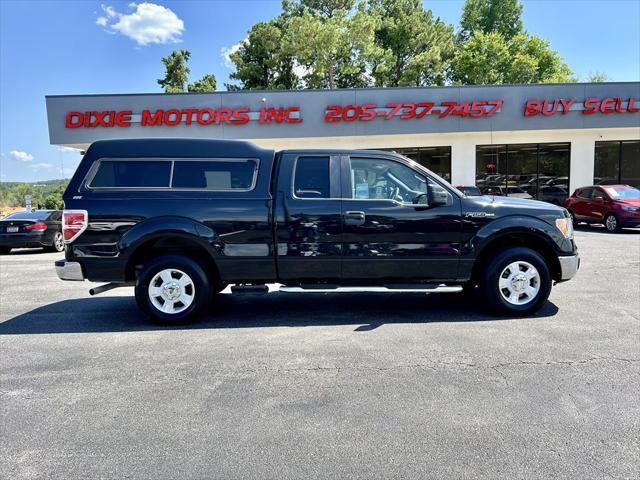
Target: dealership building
562	135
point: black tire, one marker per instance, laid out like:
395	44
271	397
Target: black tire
574	220
58	243
490	278
611	223
200	289
5	250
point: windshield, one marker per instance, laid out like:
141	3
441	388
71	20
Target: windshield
37	215
623	193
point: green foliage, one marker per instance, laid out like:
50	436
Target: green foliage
46	194
493	48
331	41
489	58
491	16
597	77
206	84
177	72
260	61
416	49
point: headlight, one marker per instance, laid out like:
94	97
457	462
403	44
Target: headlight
565	225
628	208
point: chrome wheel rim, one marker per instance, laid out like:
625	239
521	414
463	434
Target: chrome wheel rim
171	291
58	242
519	283
612	223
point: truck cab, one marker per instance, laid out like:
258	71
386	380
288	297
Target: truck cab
181	219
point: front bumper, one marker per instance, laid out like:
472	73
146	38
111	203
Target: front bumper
69	270
569	266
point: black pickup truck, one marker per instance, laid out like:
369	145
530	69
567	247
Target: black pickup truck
181	219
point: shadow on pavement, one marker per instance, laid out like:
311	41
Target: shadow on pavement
367	311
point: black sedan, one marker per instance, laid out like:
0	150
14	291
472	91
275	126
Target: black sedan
37	228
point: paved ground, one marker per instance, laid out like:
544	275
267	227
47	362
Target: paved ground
323	386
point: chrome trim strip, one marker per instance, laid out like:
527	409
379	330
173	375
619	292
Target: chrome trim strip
435	289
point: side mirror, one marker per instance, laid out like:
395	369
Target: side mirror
598	199
421	202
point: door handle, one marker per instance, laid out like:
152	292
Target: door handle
354	218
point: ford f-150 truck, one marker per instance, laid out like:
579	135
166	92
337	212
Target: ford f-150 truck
181	219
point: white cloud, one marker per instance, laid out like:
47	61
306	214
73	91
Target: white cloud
62	149
225	53
21	155
149	23
40	166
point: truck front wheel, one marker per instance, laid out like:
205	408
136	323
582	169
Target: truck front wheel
516	282
173	289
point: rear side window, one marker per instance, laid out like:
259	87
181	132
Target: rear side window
585	193
132	174
214	175
312	177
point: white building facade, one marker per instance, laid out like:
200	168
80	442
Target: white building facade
526	136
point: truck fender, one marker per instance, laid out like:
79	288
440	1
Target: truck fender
167	226
517	224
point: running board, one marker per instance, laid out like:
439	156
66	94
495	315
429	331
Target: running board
442	288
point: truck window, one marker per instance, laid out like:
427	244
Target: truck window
312	177
132	174
380	179
214	174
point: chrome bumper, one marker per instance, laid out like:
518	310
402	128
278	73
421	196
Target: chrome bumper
569	267
69	270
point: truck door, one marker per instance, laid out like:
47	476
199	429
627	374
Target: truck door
390	233
308	222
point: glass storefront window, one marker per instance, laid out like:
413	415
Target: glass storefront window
539	170
617	163
436	159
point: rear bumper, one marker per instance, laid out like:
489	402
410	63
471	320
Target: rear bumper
23	241
69	270
569	266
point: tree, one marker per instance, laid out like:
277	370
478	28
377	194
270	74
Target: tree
493	48
597	77
206	84
487	16
488	58
261	63
416	49
176	71
331	40
176	75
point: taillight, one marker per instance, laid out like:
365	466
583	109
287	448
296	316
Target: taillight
74	222
40	226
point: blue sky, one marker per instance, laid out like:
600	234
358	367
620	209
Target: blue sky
76	47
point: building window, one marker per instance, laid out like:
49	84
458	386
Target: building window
617	163
436	159
537	170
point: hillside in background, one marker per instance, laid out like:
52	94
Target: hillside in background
45	194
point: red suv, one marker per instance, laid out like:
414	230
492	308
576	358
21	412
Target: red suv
616	206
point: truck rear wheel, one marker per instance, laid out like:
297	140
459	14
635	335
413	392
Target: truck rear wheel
173	289
516	282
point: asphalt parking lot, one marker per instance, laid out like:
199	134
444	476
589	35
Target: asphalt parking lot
323	385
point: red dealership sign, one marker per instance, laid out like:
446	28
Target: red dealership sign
589	107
